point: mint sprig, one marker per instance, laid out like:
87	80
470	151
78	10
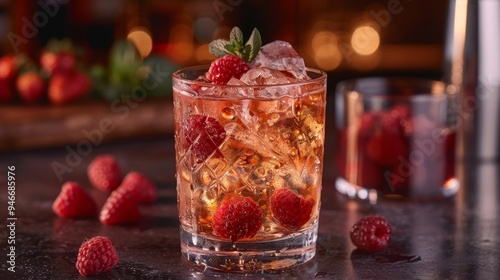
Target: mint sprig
236	45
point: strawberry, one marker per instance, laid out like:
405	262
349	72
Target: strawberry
289	209
371	233
223	69
104	173
30	87
57	62
120	208
96	255
140	186
74	202
68	87
237	218
8	67
203	135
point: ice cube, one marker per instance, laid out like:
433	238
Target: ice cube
265	76
234	92
235	82
280	55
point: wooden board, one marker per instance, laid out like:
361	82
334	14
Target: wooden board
94	122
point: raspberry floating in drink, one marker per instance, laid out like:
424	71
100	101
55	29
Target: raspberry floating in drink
202	135
237	219
291	210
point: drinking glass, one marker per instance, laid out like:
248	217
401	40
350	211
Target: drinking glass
396	138
249	163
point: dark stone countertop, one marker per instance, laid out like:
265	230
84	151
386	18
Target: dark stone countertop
458	238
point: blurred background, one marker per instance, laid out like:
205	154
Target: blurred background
119	44
345	36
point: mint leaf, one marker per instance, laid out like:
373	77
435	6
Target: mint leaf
255	42
246	52
236	45
236	36
230	49
218	47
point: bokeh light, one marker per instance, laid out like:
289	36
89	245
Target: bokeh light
141	37
323	38
365	40
325	48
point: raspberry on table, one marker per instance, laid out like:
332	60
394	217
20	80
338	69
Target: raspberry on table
371	233
104	173
96	255
140	186
121	207
203	134
237	218
290	209
74	202
223	69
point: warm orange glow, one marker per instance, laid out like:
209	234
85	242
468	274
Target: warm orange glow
327	57
365	40
326	53
181	33
181	37
141	37
202	54
182	51
323	38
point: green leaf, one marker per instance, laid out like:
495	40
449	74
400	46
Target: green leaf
246	52
124	62
236	36
255	42
236	45
230	49
218	47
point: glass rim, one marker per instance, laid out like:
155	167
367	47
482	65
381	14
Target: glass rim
322	75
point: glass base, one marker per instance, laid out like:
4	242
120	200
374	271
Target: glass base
448	189
246	257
